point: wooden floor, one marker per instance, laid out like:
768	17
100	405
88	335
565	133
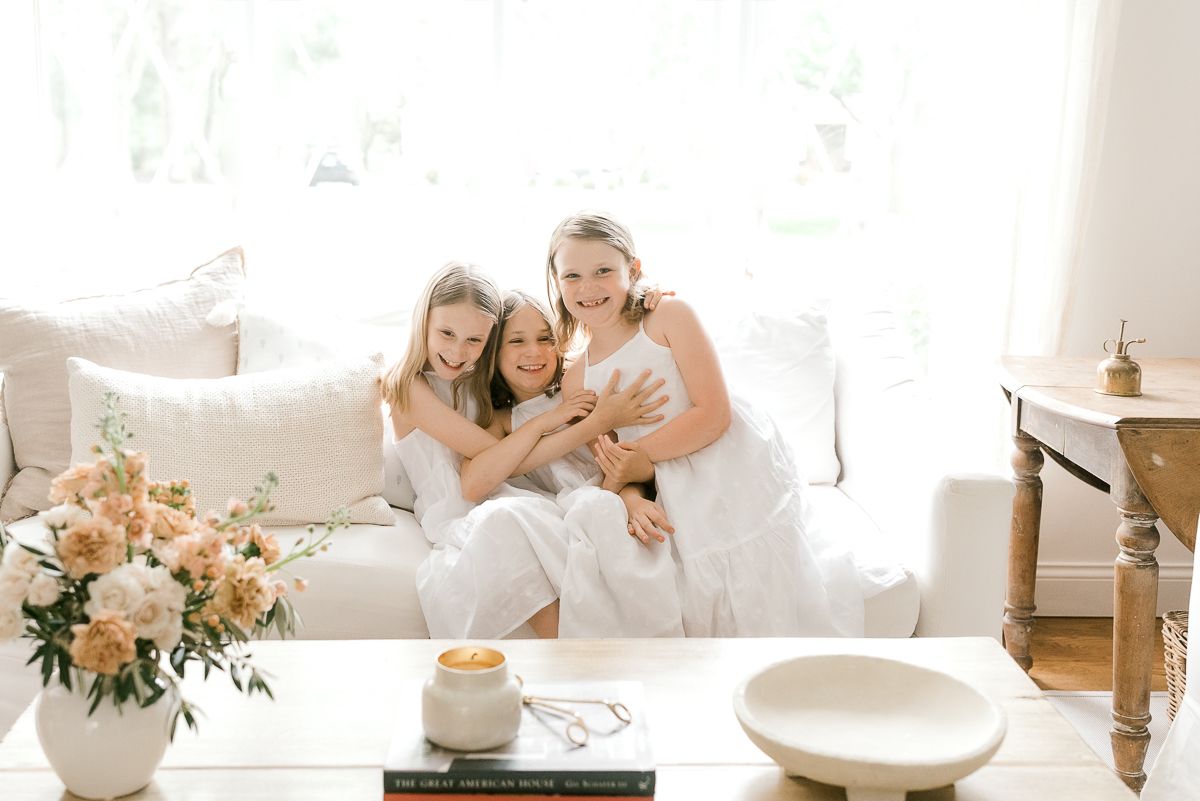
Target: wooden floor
1075	653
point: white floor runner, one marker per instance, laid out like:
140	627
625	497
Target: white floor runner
1090	713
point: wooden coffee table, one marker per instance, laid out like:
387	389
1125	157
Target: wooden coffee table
339	702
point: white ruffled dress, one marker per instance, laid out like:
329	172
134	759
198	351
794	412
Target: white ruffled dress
613	585
752	562
493	565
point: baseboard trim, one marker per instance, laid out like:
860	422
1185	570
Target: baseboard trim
1085	589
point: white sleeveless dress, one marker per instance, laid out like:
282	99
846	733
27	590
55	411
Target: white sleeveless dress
752	562
613	585
493	565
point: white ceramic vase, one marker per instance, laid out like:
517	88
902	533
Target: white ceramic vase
112	752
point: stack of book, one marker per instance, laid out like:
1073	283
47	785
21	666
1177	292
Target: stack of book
616	762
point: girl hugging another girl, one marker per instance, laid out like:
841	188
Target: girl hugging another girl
750	561
613	585
501	563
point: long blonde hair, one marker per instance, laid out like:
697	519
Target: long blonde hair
514	301
599	227
456	282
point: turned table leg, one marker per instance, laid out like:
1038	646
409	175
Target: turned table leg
1135	598
1023	548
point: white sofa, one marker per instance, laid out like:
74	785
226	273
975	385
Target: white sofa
941	537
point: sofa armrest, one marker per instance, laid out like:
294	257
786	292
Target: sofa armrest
8	463
961	559
951	530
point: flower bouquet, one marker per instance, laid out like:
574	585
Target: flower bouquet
130	584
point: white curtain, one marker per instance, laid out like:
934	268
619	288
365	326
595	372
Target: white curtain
1006	217
1175	774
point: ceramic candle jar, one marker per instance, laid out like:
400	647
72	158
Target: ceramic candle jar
471	703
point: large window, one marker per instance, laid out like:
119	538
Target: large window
762	151
738	139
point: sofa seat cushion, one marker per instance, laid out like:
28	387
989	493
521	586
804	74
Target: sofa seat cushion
893	597
19	682
365	585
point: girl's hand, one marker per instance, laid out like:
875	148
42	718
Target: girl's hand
653	296
646	519
575	407
622	462
631	406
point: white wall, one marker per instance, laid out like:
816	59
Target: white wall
1140	261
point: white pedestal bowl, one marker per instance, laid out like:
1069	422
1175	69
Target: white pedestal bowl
875	726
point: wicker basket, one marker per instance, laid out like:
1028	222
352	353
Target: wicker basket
1175	633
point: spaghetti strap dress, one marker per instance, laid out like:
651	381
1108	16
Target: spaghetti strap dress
751	560
613	585
493	564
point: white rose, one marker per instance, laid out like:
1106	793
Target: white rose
166	552
171	636
119	590
159	579
64	515
43	590
14	586
18	559
154	615
12	622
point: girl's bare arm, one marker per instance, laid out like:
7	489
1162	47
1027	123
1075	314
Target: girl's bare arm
427	412
677	324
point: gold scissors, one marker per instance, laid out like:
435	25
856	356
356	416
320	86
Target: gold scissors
577	730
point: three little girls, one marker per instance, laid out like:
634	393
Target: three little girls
743	560
498	564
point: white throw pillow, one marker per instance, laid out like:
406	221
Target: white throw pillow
163	331
271	341
784	364
318	429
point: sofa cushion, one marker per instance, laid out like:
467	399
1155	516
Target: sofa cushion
784	363
19	682
269	341
892	596
317	428
365	586
163	331
8	465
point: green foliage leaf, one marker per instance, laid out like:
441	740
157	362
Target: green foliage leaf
179	659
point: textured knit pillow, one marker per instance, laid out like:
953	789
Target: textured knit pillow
318	429
784	364
164	330
269	341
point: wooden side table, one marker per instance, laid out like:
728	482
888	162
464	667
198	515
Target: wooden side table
1145	453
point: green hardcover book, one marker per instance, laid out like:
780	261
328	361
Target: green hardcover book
542	760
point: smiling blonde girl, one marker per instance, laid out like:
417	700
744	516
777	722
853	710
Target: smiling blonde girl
613	585
752	563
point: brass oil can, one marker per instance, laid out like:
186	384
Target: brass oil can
1119	374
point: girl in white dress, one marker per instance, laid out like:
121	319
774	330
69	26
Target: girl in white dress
613	585
751	562
498	564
